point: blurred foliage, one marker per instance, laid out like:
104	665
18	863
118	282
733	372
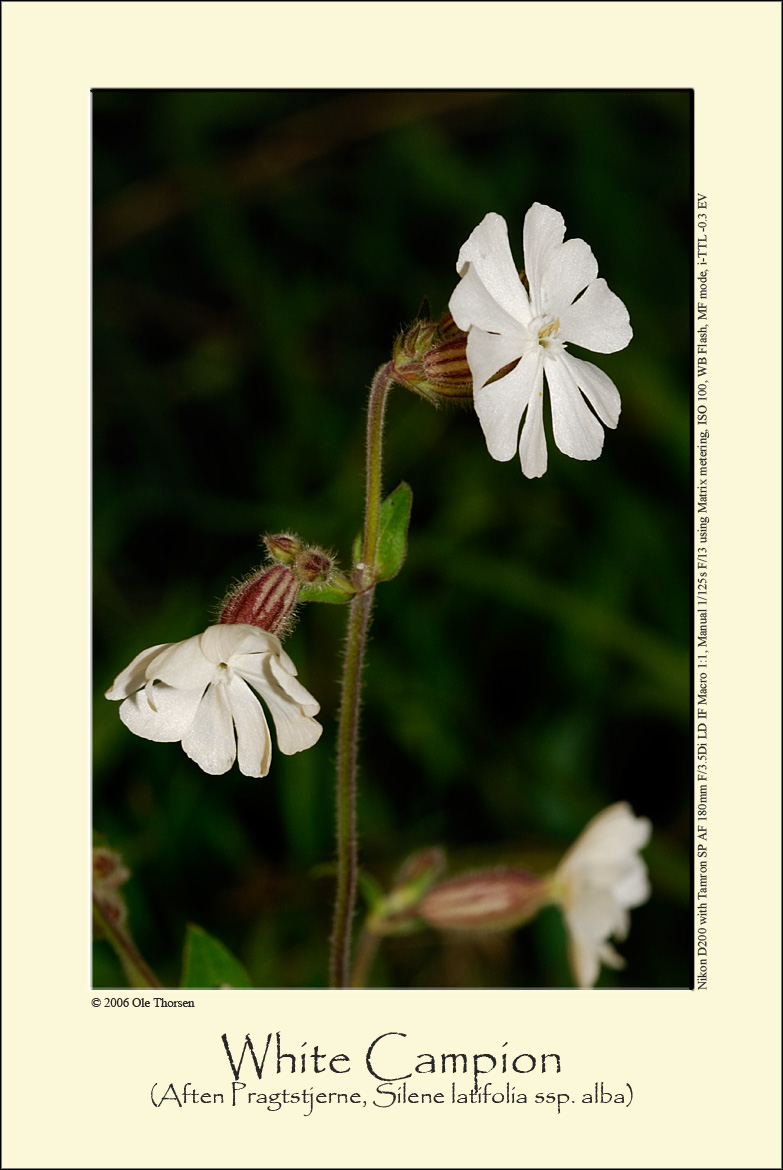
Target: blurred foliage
255	255
207	963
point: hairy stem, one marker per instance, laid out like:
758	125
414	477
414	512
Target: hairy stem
137	971
365	574
366	950
348	734
372	508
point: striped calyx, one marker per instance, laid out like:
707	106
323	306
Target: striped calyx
430	359
267	599
499	899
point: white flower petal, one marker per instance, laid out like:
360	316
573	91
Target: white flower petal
623	924
542	236
134	676
600	878
169	719
182	665
633	888
293	688
254	743
210	739
488	353
501	405
295	730
597	387
286	662
609	956
532	441
577	431
609	872
598	320
472	304
590	924
488	253
247	665
584	961
614	833
220	643
201	695
254	663
572	268
567	302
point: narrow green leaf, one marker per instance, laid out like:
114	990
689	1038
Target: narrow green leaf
324	594
372	891
339	590
393	537
207	963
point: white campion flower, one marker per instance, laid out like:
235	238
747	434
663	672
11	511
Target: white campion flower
505	323
201	691
599	880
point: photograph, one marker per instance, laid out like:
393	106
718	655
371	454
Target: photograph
395	488
392	538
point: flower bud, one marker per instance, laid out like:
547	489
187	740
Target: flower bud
283	547
430	358
499	899
267	599
108	874
312	565
421	869
397	912
112	907
107	867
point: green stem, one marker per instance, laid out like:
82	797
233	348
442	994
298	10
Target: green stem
366	950
137	971
372	508
348	732
347	739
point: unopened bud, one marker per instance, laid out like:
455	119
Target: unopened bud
397	912
430	358
108	874
312	565
267	599
107	867
112	907
283	547
499	899
421	869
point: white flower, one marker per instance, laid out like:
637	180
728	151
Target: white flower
504	324
600	878
199	691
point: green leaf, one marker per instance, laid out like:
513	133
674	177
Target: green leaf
206	962
356	551
339	590
393	534
393	537
372	891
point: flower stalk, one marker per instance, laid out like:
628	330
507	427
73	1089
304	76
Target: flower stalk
134	966
365	576
366	951
376	412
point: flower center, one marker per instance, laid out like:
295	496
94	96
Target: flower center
544	330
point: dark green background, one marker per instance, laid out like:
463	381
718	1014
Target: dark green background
255	255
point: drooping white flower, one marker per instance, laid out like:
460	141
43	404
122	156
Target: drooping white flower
201	691
598	881
566	303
